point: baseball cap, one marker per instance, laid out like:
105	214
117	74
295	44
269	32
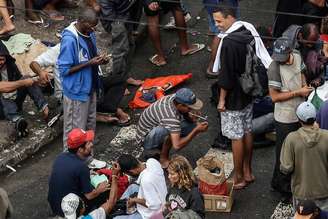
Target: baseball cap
305	111
78	136
282	47
187	97
69	205
305	208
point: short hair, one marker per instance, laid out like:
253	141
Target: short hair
127	162
308	29
74	151
226	9
88	15
309	121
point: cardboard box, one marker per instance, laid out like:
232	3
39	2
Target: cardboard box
219	203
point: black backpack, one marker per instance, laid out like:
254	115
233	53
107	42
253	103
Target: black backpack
254	81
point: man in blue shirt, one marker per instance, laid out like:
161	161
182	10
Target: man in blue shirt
78	64
70	173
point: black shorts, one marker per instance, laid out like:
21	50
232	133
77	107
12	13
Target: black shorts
164	7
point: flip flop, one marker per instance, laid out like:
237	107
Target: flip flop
239	186
156	62
40	23
198	48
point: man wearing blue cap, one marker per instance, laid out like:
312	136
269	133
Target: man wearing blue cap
168	123
304	156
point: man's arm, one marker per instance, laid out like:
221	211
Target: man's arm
221	103
278	96
44	75
110	203
102	187
178	142
9	86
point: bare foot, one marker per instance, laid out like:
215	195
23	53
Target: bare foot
106	119
249	178
134	82
239	185
7	29
127	92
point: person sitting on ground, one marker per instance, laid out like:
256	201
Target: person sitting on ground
306	209
304	156
13	90
168	123
152	10
183	194
152	187
73	206
70	174
8	23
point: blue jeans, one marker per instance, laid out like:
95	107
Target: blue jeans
11	108
157	135
133	188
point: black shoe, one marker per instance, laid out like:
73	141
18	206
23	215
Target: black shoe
21	128
211	75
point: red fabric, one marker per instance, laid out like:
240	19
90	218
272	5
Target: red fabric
324	37
122	183
77	137
220	189
161	83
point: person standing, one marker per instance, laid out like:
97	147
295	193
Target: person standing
304	156
234	104
78	64
287	88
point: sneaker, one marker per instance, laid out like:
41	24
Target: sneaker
171	23
21	128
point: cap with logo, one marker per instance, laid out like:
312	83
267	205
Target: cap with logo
78	137
282	47
305	111
69	205
187	97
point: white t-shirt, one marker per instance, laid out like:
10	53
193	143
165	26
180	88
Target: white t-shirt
152	188
99	213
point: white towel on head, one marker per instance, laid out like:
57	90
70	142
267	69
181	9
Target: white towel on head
261	51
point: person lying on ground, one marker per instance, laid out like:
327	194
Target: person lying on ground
168	123
70	174
8	25
152	187
153	9
13	90
73	206
183	195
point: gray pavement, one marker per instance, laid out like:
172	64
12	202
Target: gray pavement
27	187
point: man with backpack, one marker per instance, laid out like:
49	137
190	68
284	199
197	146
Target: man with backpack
235	104
287	87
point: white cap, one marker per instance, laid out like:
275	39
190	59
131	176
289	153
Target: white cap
305	111
69	205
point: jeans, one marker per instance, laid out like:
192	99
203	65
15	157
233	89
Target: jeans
133	188
157	135
11	108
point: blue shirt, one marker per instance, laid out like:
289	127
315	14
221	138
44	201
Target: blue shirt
322	115
69	174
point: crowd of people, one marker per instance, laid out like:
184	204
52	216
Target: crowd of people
294	67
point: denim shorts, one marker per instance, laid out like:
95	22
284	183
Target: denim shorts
157	136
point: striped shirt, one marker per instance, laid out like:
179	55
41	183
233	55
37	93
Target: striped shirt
161	113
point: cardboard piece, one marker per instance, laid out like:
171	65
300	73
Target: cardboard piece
219	203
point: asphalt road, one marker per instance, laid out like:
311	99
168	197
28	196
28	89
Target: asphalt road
27	187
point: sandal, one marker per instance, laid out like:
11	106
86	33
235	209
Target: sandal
155	61
40	23
197	47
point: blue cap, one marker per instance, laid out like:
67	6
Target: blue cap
187	97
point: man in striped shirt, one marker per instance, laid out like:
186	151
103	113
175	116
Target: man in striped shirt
167	123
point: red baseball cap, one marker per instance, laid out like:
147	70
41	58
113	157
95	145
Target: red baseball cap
78	136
